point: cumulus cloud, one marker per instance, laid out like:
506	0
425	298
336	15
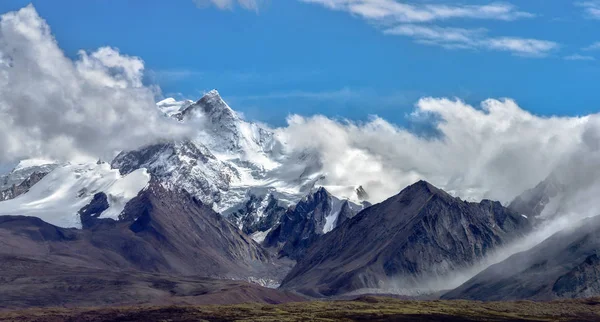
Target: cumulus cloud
473	39
391	11
252	5
493	151
53	106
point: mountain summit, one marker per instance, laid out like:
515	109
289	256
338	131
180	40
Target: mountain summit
402	244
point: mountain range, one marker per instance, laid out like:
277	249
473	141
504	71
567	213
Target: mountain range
233	208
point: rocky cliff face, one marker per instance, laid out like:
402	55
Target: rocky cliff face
18	189
301	225
565	265
398	244
187	165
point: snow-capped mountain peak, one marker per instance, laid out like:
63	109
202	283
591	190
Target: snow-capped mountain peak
213	107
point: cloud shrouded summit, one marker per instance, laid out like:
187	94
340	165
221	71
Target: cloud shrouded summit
53	106
93	106
495	151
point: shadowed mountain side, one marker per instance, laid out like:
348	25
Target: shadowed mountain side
159	231
566	265
421	232
301	225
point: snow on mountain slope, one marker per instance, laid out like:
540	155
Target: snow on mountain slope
228	136
24	170
170	106
59	196
316	214
240	168
185	164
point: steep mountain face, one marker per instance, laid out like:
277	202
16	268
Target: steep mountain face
533	201
302	224
239	168
161	230
188	165
21	188
400	244
227	133
258	214
23	177
566	265
24	170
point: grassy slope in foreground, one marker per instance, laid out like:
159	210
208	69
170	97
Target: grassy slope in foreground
362	309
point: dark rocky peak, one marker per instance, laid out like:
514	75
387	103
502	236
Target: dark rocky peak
402	243
423	187
361	193
316	214
316	196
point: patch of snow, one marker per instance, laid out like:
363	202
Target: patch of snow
59	196
332	217
260	236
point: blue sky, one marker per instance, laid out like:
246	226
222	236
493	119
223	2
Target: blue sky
347	58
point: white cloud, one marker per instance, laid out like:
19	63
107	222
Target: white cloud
591	8
252	5
495	151
459	38
400	18
522	46
391	11
594	46
579	57
53	106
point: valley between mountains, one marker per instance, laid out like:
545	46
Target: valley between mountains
233	215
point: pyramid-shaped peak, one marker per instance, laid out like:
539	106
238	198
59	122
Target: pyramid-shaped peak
212	93
423	187
214	107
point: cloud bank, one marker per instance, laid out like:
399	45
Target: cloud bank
493	151
55	107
